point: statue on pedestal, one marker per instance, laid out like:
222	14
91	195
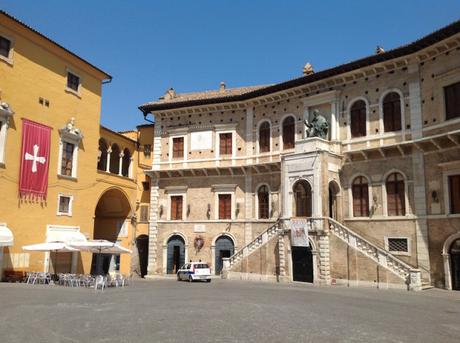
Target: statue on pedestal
318	127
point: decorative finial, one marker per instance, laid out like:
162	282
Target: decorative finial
379	50
308	69
222	86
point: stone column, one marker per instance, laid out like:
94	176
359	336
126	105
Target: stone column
107	167
418	167
153	227
324	261
130	169
249	134
120	164
248	207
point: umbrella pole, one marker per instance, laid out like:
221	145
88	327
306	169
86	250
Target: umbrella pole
55	265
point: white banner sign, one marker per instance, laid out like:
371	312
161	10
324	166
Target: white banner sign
201	140
299	232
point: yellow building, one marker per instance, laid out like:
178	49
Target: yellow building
91	192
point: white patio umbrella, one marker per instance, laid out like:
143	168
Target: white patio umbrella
100	246
51	247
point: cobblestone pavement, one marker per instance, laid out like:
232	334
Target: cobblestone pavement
226	311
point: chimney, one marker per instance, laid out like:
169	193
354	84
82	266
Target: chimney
222	86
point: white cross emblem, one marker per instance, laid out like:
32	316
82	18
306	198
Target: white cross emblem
34	158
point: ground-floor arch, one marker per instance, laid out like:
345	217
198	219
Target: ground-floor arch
303	263
112	223
175	255
451	259
224	246
142	244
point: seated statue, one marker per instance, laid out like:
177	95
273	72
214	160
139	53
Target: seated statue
318	127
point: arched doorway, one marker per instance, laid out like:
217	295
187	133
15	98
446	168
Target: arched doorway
333	204
142	243
110	223
302	264
175	254
224	248
302	199
454	253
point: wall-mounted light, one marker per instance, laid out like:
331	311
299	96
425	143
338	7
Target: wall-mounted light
161	210
188	210
208	212
237	211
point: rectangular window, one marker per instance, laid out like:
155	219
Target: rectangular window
225	206
5	46
176	207
225	143
454	193
73	81
64	204
144	213
400	245
67	158
452	98
178	147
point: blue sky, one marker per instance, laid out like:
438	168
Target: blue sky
149	46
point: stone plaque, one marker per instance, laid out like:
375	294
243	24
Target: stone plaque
199	228
201	140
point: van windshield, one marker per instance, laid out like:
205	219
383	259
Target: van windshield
201	266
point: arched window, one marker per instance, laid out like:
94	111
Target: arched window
302	198
358	119
392	112
115	159
396	204
102	160
264	137
360	193
125	163
288	132
263	199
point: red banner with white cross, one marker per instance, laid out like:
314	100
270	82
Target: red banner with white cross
35	153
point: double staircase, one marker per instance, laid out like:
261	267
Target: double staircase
408	274
255	244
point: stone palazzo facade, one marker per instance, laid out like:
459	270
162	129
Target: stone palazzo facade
380	194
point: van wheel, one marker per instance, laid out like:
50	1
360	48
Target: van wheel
208	280
178	278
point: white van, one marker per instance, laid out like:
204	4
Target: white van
194	271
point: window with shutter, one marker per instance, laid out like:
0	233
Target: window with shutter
360	194
454	193
176	207
225	206
392	112
452	99
225	143
395	195
288	133
263	202
358	119
264	137
178	147
144	213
